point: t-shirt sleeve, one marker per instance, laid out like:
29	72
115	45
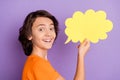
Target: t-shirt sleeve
44	71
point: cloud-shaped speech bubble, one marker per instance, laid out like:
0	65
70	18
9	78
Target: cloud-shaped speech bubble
90	25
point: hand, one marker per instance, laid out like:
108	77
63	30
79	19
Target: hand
83	48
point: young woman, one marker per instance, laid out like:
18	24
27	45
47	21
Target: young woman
37	35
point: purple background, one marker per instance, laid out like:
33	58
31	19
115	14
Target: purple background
101	62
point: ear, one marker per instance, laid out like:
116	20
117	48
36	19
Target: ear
30	38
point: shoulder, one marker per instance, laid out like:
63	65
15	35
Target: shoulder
36	61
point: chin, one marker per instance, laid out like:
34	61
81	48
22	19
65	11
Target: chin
47	48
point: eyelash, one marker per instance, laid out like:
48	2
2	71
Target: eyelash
51	29
40	29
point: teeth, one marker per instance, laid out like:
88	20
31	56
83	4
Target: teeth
47	40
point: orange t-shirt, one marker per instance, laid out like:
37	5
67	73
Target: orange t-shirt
37	68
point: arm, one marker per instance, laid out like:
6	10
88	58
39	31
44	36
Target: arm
82	50
60	78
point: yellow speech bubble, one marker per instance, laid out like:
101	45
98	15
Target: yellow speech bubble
90	25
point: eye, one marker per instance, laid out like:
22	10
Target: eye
52	29
41	29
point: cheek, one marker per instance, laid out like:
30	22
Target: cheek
54	35
36	41
36	38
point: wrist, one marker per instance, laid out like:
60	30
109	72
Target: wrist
81	56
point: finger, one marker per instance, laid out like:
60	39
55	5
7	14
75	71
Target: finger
78	46
85	42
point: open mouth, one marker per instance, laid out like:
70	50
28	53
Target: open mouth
47	40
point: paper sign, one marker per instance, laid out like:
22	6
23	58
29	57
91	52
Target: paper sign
90	25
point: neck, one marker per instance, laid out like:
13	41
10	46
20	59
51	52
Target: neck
40	52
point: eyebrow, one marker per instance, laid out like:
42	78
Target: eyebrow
41	24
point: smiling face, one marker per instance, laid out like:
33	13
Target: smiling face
43	33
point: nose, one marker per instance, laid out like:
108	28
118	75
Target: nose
48	33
